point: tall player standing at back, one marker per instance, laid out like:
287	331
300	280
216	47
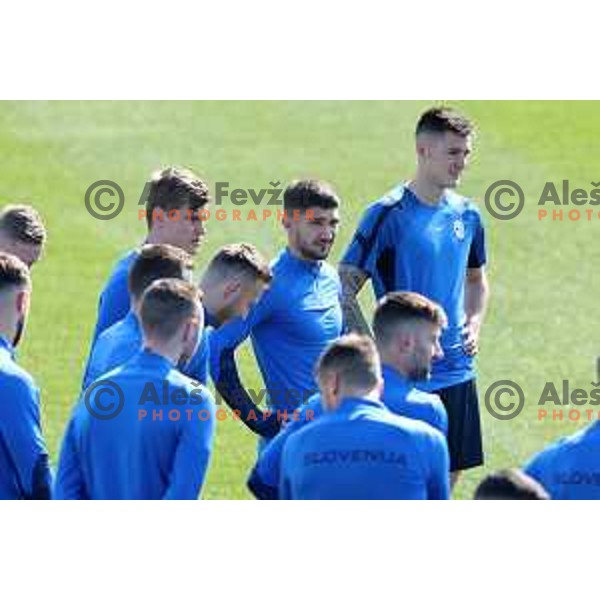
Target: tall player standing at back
423	237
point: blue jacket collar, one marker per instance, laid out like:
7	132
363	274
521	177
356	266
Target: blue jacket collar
7	346
312	266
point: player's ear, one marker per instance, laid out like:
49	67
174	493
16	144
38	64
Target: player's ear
22	300
231	287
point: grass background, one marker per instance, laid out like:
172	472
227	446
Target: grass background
544	290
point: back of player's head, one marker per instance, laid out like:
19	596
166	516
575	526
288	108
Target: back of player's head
157	261
510	484
441	119
239	260
307	194
399	309
22	232
14	274
354	360
175	188
166	305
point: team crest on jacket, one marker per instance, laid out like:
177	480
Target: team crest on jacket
459	229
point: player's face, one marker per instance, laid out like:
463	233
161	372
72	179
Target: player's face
313	235
445	158
426	348
183	229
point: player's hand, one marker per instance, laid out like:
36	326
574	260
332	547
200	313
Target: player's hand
471	337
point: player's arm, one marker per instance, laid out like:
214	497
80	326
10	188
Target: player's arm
69	483
438	483
193	453
24	441
223	343
353	280
477	291
263	481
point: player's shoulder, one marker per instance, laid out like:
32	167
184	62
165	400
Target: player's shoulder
15	382
417	429
464	205
396	197
123	264
426	399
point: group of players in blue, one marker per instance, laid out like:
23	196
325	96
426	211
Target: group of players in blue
353	410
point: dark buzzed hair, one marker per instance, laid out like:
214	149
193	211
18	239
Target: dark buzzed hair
166	305
354	358
13	272
510	484
309	193
23	223
243	259
174	188
442	119
157	261
397	308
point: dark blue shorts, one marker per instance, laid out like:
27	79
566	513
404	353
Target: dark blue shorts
464	425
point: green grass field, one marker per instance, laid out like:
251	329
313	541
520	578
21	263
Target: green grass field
544	289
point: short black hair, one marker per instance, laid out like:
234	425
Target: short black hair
172	189
13	272
23	223
157	261
241	258
510	484
309	193
396	308
443	119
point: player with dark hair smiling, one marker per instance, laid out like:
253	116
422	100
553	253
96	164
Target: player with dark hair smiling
426	238
295	318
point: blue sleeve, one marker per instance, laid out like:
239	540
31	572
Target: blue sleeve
264	478
540	469
197	367
363	250
193	453
285	487
114	300
440	416
70	484
223	343
477	252
438	483
22	433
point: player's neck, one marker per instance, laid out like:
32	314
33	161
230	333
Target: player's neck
297	254
166	351
427	192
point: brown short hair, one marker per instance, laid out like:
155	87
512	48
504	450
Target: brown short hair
354	358
397	308
166	305
241	258
443	119
510	484
13	272
157	261
174	188
309	193
23	223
